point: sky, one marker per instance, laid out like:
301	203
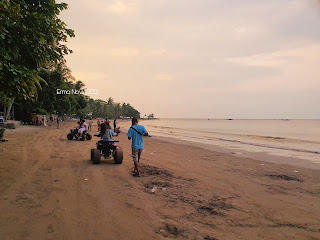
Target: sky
200	59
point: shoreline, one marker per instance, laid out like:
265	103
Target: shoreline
51	190
255	155
259	156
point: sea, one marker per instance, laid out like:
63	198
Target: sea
297	139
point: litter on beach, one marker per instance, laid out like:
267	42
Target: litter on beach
154	189
296	171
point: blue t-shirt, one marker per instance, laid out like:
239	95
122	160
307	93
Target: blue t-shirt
112	133
137	141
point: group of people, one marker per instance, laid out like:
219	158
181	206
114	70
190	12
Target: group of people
107	122
135	133
106	132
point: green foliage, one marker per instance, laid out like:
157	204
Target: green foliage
49	102
4	100
111	109
31	36
32	50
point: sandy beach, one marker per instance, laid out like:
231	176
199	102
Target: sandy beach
49	189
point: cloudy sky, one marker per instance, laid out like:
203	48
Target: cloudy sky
200	59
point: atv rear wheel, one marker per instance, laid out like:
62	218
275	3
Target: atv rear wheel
82	137
70	136
96	156
118	157
92	153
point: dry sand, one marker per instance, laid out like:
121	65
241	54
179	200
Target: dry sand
50	190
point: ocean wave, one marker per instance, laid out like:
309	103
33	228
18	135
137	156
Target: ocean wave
193	137
268	146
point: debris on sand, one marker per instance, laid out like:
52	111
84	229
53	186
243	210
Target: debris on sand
284	177
154	189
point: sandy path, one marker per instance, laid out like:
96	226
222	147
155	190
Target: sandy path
50	190
45	194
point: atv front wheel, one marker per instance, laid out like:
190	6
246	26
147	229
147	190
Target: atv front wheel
70	136
88	136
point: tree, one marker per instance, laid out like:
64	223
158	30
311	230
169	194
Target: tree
5	102
49	102
151	115
117	109
31	36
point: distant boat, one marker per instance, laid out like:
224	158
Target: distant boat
230	119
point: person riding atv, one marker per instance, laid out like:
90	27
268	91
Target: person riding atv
83	127
106	147
81	131
106	132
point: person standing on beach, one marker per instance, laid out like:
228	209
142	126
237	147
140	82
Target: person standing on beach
58	122
135	133
90	125
99	124
114	124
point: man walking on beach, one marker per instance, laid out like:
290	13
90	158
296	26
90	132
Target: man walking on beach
135	133
114	124
90	124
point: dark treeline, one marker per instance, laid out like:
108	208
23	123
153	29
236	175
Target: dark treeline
32	65
80	105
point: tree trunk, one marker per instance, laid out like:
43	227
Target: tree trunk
12	112
9	108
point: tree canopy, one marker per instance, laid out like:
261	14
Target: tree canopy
31	36
32	66
49	102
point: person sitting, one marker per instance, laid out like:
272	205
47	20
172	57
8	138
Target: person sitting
83	127
106	132
107	121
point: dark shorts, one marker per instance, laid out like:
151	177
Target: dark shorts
136	154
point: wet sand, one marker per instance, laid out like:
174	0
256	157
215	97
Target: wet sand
50	190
